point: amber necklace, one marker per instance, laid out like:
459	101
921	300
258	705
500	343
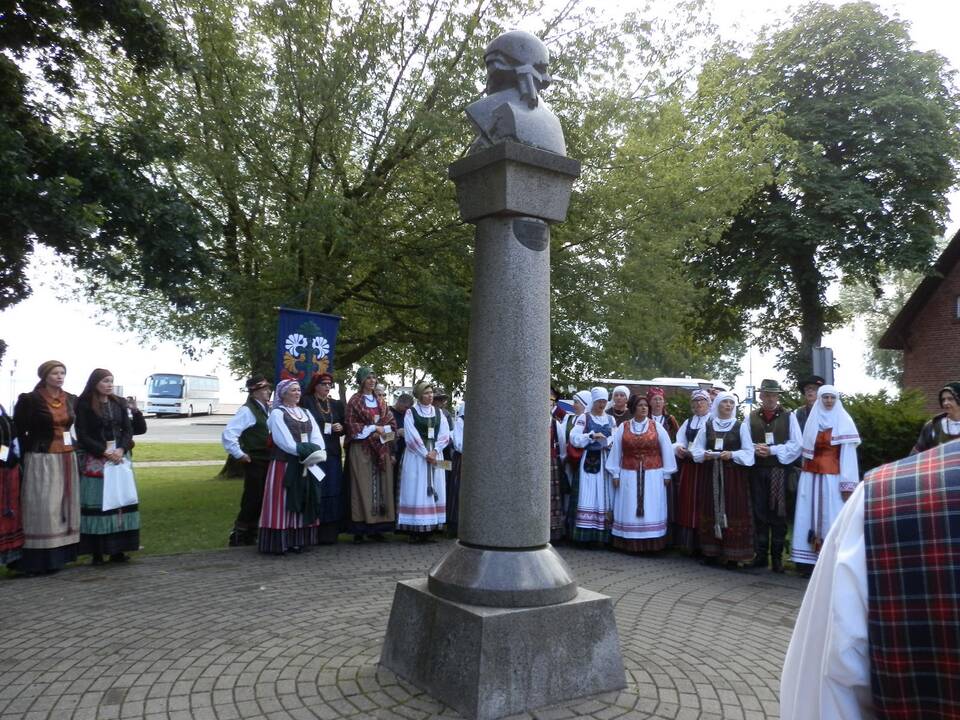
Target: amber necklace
54	402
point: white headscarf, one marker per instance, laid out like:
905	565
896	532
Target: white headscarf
584	398
819	419
598	393
723	425
282	387
621	389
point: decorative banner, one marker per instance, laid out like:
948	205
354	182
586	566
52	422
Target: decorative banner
305	344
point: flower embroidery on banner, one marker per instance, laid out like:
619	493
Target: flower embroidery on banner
320	346
295	342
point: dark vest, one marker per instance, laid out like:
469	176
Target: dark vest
779	426
296	428
731	438
423	424
912	541
253	440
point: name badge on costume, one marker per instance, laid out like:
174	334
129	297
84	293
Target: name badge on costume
430	433
718	444
67	439
304	437
111	445
4	453
376	418
328	428
768	438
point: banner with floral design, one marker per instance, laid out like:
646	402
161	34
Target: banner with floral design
305	344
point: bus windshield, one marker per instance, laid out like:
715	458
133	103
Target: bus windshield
166	386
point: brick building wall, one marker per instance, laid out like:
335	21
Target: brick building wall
932	355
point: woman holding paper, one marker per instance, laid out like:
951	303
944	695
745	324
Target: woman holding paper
423	494
330	416
49	493
104	437
726	516
290	516
370	428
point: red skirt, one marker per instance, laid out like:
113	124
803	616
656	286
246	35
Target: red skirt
11	521
735	543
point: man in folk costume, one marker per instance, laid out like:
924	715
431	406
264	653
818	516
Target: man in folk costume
830	474
423	505
593	432
247	439
570	458
878	634
945	426
370	424
776	444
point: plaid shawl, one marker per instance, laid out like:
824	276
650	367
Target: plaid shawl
359	416
912	535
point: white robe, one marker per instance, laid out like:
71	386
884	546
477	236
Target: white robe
808	503
416	509
653	524
826	673
596	490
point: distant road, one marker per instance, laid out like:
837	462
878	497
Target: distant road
198	429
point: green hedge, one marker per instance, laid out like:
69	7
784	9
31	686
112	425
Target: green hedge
888	427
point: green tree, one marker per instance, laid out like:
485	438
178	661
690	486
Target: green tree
861	187
82	190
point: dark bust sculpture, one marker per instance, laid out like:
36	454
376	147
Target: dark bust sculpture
513	110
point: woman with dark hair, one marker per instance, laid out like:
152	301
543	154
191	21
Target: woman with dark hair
945	426
657	402
104	436
49	492
330	415
641	462
370	424
11	523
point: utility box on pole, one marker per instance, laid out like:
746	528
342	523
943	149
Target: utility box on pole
823	363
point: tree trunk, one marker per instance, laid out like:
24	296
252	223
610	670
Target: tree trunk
809	286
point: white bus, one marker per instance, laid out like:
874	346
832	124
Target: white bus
175	394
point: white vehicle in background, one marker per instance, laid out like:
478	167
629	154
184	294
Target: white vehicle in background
176	394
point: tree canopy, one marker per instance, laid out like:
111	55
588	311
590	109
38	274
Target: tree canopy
860	187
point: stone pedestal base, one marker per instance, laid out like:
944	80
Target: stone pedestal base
489	662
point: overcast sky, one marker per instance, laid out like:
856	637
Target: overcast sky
43	327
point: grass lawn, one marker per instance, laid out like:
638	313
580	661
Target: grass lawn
149	452
183	509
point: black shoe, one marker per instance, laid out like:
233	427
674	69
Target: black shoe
235	539
378	537
777	565
358	539
97	559
708	560
759	562
295	549
119	557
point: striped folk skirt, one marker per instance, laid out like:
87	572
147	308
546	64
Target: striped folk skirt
281	530
104	532
11	520
690	483
50	504
733	543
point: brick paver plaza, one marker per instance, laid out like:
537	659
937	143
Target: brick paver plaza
233	634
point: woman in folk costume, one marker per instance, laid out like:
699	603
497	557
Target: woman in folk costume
50	487
11	522
369	423
658	402
571	460
618	404
945	426
290	518
830	473
104	436
641	462
453	495
423	495
329	414
723	444
692	478
558	478
593	432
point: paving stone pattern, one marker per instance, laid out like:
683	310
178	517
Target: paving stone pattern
232	634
